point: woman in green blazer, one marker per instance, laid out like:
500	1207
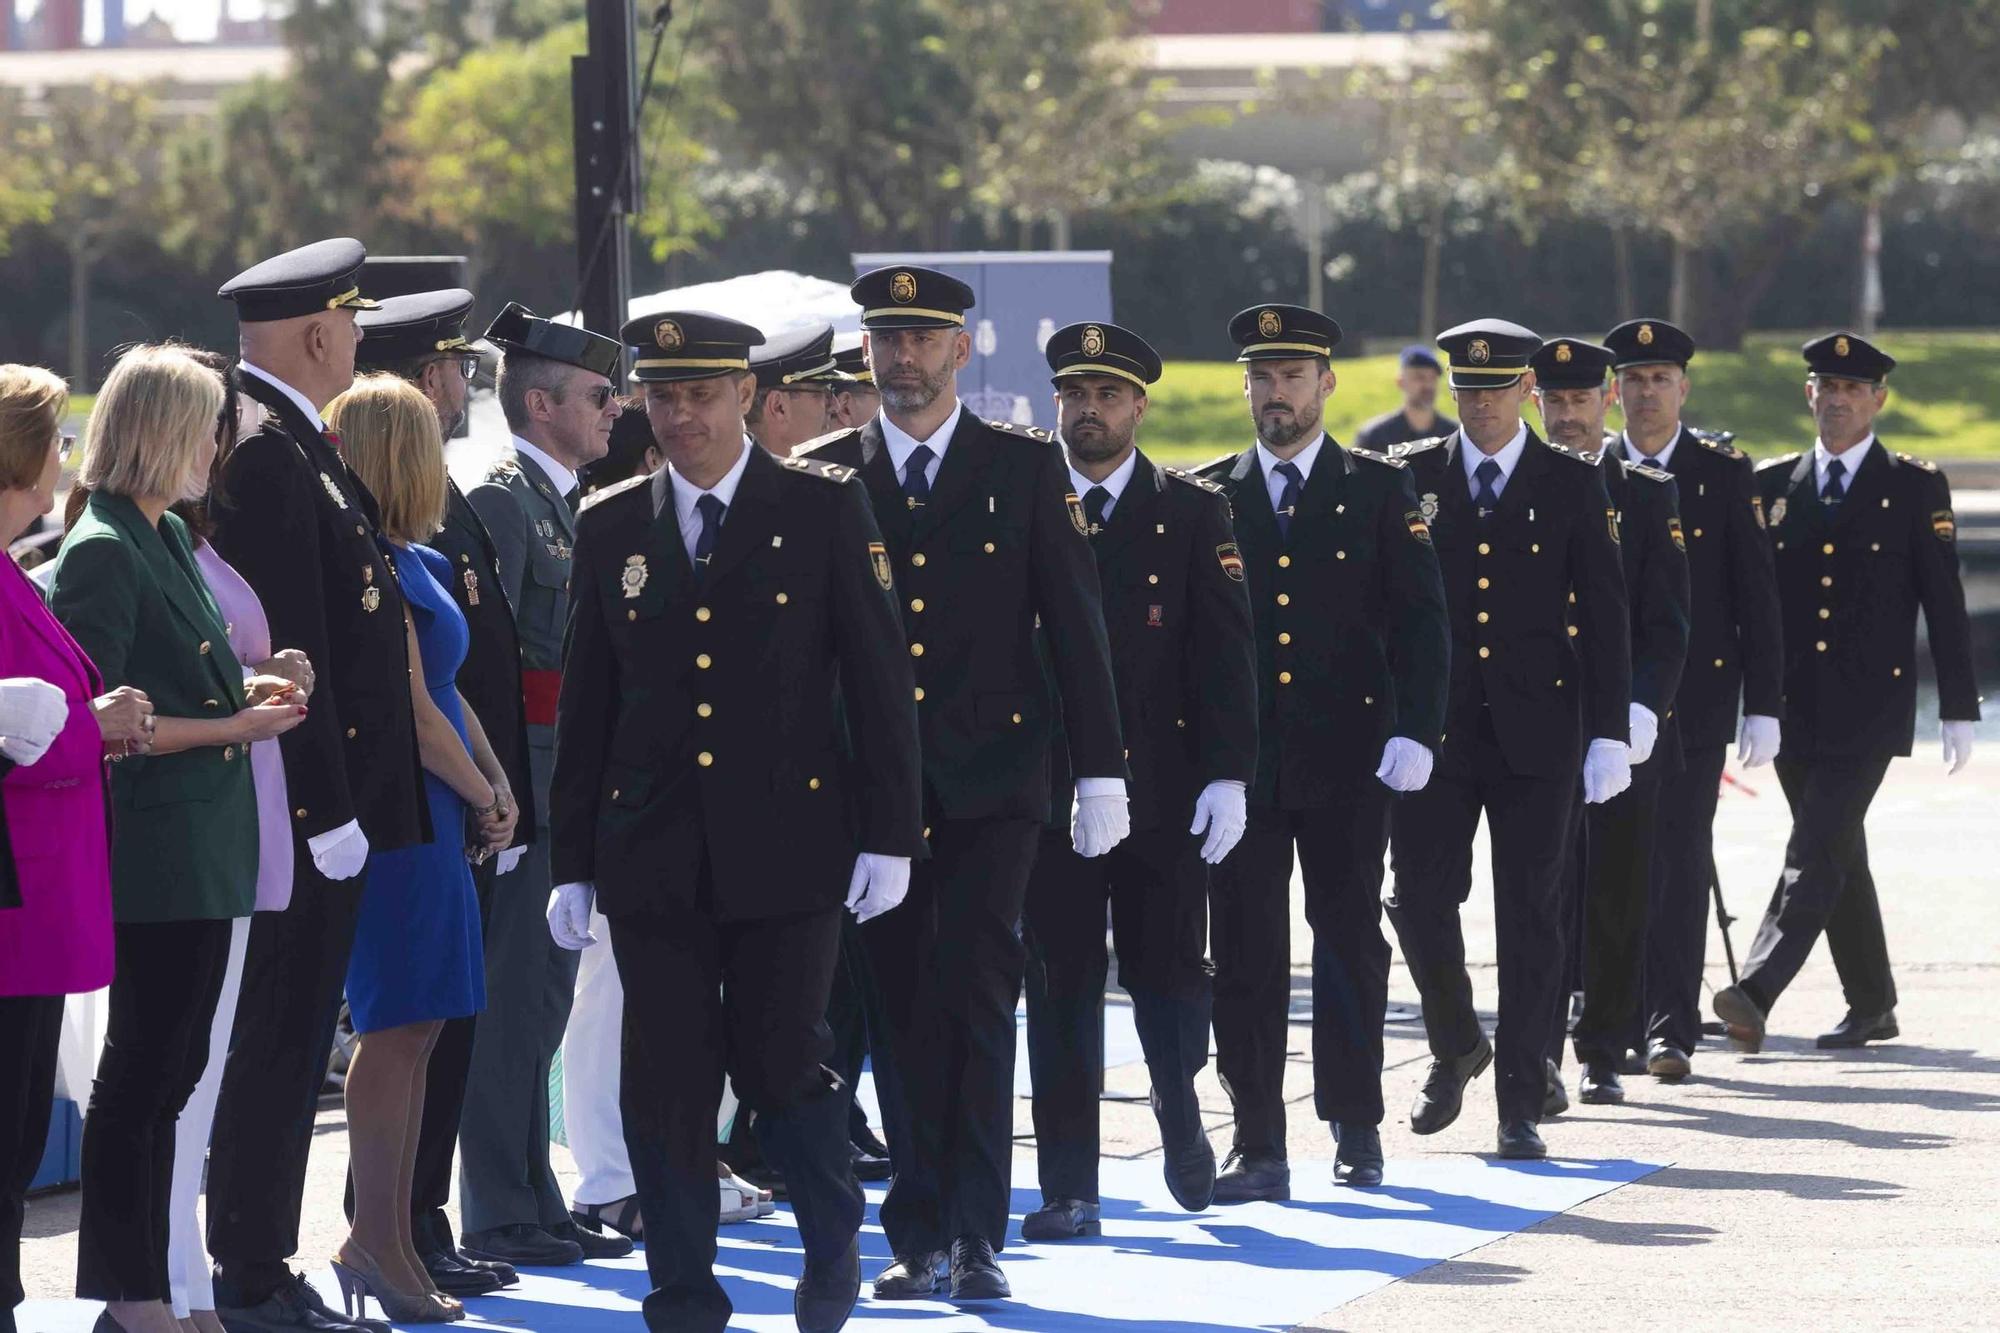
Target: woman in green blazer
184	815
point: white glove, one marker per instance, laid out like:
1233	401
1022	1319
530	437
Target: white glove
340	853
1757	741
1957	743
509	859
1223	810
32	714
1099	823
1644	725
879	884
1406	764
1607	771
569	915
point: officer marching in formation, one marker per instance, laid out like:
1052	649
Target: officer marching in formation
1352	666
302	530
1614	839
985	537
1863	539
700	801
557	390
1540	685
1733	655
421	338
1179	623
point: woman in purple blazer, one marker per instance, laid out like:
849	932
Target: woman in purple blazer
55	866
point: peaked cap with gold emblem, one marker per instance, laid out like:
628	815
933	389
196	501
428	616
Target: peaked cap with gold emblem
1649	342
1282	333
688	345
1101	348
1569	363
1487	353
906	296
1848	356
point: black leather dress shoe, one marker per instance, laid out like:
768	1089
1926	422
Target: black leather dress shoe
867	1166
869	1142
432	1232
1189	1158
975	1274
1555	1099
1600	1084
1745	1018
594	1245
1633	1061
1062	1219
826	1294
522	1244
1521	1142
1858	1030
296	1305
1253	1179
1358	1158
1443	1094
454	1277
913	1277
1668	1062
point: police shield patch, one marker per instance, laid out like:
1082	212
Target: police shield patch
878	560
1076	517
1231	560
1418	528
1611	524
1944	526
1674	531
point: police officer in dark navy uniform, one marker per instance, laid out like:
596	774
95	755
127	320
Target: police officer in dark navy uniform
1520	526
1352	664
1181	651
1614	840
794	402
1733	654
302	529
701	801
421	338
986	537
1864	538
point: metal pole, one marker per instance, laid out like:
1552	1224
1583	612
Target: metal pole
606	141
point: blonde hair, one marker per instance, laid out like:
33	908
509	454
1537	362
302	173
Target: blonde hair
389	431
155	413
32	404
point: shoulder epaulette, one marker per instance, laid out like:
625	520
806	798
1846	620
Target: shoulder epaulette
1722	441
1589	458
1782	460
603	493
1180	474
815	467
1923	463
827	440
1374	457
502	471
1216	465
1035	433
1648	471
1410	448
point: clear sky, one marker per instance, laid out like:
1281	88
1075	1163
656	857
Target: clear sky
193	20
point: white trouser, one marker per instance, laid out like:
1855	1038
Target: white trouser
590	1075
187	1252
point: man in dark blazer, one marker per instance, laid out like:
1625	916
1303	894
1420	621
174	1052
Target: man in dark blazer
1613	841
1352	664
1178	618
301	528
1863	538
1733	655
1541	686
701	802
420	337
985	538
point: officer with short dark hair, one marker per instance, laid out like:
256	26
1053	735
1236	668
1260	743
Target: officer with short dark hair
1417	377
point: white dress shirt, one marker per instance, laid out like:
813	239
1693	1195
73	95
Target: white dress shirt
1114	485
1850	459
687	494
1508	458
902	444
298	399
1303	460
559	476
1662	460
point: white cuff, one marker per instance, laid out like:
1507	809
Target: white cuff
1089	787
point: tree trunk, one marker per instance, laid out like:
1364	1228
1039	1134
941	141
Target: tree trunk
1427	301
1679	298
1626	305
80	263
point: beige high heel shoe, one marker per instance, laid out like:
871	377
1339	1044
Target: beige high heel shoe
360	1277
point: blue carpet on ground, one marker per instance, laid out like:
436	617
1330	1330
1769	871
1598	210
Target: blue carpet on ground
1253	1266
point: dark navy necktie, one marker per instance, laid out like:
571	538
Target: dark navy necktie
1094	501
1831	495
573	499
916	476
1484	497
1288	499
710	510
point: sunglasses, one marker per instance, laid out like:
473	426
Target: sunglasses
468	367
65	446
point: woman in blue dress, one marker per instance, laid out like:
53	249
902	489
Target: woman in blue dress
417	957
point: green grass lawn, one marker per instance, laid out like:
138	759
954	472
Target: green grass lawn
1944	399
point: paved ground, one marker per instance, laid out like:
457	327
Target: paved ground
1808	1189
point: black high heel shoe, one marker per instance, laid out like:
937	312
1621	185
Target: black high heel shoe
360	1277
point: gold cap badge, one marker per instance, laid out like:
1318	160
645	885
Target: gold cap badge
1841	347
1093	341
1477	352
1645	335
1269	324
903	288
669	336
1563	354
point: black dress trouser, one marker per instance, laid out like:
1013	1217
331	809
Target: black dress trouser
163	1000
1677	914
1339	848
30	1035
294	970
1615	869
1156	886
747	999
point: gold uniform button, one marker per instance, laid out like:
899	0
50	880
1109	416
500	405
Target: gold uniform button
1486	652
704	759
917	605
920	694
1485	549
1180	722
1367	698
1017	719
782	599
1826	580
631	615
1340	555
1152	578
1873	546
1820	646
360	531
703	661
464	559
1573	631
1485	583
701	613
916	650
204	647
1284	599
1484	617
918	560
1285	637
1284	562
615	793
1559	682
1284	677
350	733
927	832
211	703
704	710
299	813
812	784
1697	532
1826	549
1897	672
991	548
1535	549
1825	613
228	753
1718	661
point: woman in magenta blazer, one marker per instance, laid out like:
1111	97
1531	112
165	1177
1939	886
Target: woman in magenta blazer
55	884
